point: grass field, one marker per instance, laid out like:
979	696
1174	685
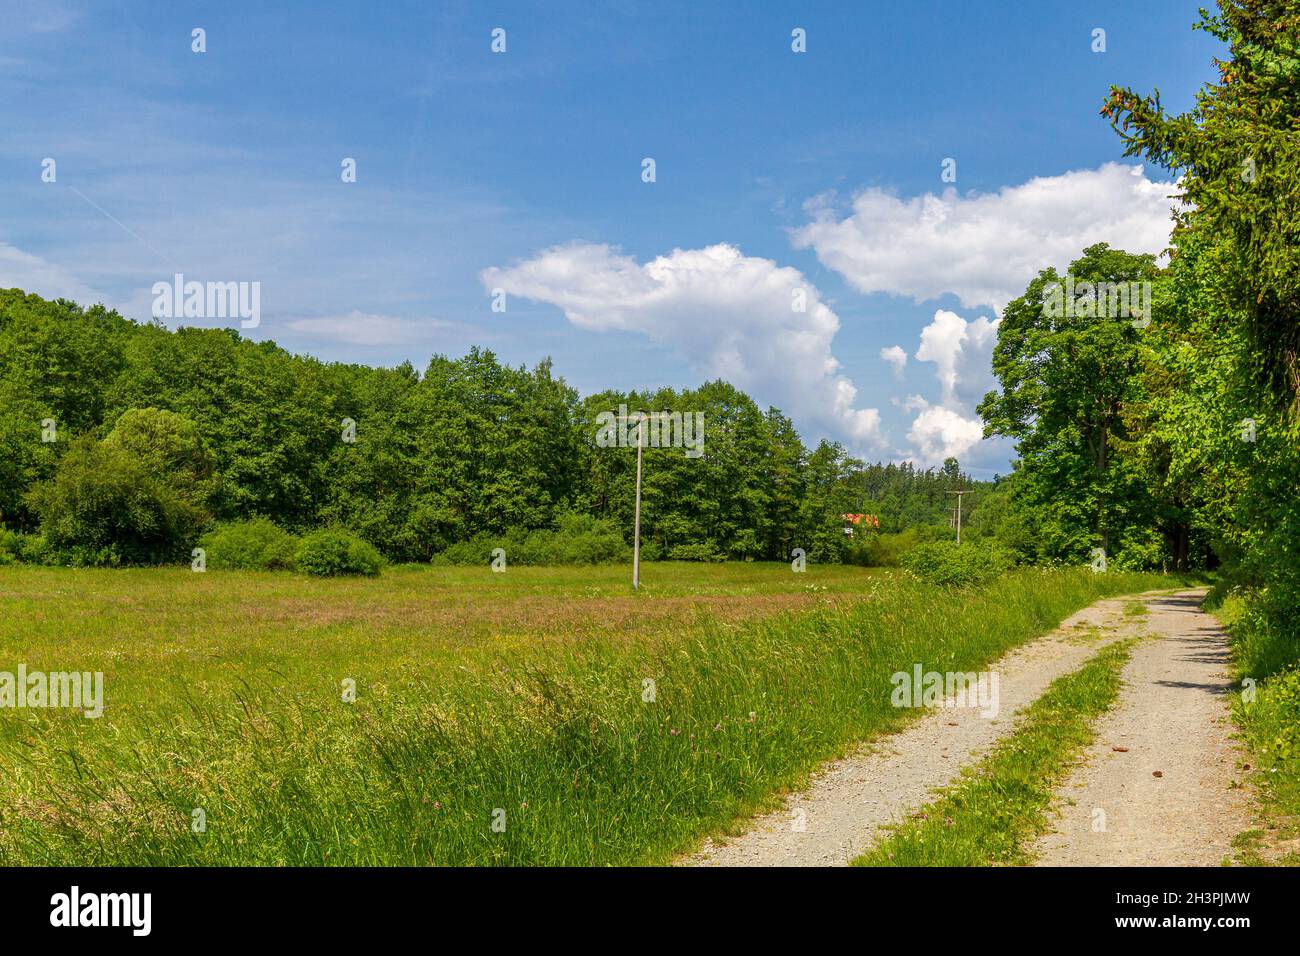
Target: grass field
1269	717
538	716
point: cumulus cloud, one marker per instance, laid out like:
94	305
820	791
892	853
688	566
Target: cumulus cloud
939	432
984	248
896	357
759	325
961	352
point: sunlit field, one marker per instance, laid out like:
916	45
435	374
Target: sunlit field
454	715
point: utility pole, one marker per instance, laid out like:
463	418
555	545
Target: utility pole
636	527
958	494
636	532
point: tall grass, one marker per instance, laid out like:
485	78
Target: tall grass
1268	654
599	752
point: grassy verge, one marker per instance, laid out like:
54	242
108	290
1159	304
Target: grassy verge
1268	715
989	818
533	750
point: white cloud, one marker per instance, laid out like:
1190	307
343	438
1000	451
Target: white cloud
939	432
984	248
361	328
912	403
896	357
962	353
730	315
22	270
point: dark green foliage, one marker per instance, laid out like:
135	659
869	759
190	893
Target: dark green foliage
333	551
1067	381
254	544
886	550
115	502
451	462
701	551
1238	152
578	539
958	565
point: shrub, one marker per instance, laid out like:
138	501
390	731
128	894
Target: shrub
140	496
1264	637
257	544
332	551
476	550
1141	550
28	548
579	539
886	550
11	546
701	551
953	565
106	505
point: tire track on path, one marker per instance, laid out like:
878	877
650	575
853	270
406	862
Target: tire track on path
840	813
1172	719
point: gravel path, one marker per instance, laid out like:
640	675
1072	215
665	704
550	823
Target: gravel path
838	816
1172	718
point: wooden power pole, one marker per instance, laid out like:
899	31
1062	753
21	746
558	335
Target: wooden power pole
636	524
636	530
958	494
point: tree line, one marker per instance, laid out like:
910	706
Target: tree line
121	442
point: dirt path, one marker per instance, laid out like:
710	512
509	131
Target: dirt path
1172	717
840	813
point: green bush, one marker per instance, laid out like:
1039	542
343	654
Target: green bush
256	544
106	505
27	548
579	539
11	546
332	551
701	551
476	550
875	550
1264	642
953	565
140	496
1277	723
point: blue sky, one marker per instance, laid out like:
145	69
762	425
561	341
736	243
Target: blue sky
522	170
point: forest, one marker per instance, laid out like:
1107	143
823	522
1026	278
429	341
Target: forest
122	443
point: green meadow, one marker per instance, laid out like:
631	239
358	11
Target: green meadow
441	715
